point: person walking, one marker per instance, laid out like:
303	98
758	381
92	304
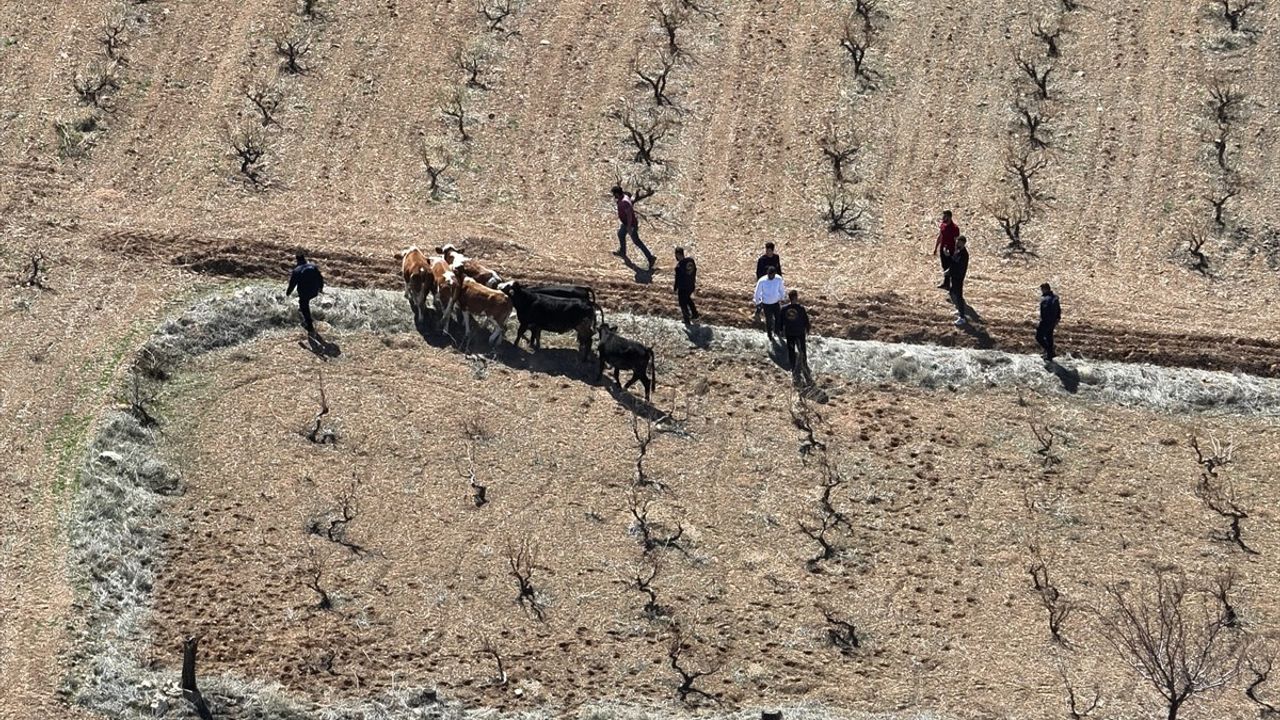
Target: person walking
768	299
768	260
956	274
308	281
1050	314
629	225
795	326
945	245
686	282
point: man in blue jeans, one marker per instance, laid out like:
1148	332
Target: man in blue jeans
629	225
308	281
1050	315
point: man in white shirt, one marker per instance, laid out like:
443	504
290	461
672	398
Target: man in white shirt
769	296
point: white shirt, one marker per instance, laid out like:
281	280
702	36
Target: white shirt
769	292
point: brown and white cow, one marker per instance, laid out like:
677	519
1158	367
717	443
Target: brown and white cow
418	281
469	267
477	300
447	286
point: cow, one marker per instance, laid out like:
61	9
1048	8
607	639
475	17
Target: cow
468	267
579	292
538	312
624	354
418	281
446	285
477	300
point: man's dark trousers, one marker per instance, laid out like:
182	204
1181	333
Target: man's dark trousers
1044	336
771	314
687	310
304	306
634	232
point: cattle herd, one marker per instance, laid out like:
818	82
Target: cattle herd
463	288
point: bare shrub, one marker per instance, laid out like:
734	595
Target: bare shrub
266	99
95	83
1219	497
1219	143
818	533
1045	439
138	397
642	581
1225	102
1048	33
1023	167
479	493
1221	589
1178	645
522	560
293	50
1197	260
489	649
671	16
114	36
248	145
77	137
841	214
856	41
842	634
496	13
312	570
319	434
1233	11
644	130
1037	71
472	60
840	147
642	431
333	523
1218	201
36	271
677	646
1032	120
1012	216
436	160
1260	662
1077	709
1057	606
651	533
453	105
310	9
657	75
866	9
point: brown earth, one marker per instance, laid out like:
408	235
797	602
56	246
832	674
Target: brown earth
947	507
1129	175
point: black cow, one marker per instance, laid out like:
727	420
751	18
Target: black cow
578	292
624	354
537	312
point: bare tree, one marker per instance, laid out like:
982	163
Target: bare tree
36	271
642	581
651	535
1012	216
472	60
1220	498
1225	102
842	634
522	559
1260	662
249	148
1233	11
437	159
842	214
656	76
840	148
454	106
644	131
496	12
1076	708
312	571
1180	647
1048	33
1199	262
266	98
293	50
95	83
317	434
856	41
114	36
1219	143
1045	439
1037	71
671	16
1032	120
1219	202
676	648
1057	606
1024	167
865	9
487	647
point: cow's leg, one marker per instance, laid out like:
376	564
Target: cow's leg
499	329
448	310
617	380
600	369
520	328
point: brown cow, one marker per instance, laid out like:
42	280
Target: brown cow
418	281
469	267
476	299
446	286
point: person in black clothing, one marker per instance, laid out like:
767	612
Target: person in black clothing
309	282
686	282
955	275
1050	314
795	326
769	259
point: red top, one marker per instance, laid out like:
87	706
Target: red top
947	234
626	213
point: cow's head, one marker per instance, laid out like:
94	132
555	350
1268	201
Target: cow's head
508	287
406	252
606	328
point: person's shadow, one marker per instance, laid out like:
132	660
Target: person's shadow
320	347
975	329
644	275
700	335
1069	377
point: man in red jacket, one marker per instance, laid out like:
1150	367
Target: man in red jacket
629	225
945	246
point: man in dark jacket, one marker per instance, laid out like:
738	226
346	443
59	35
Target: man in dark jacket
309	282
795	327
686	282
1050	314
955	274
629	225
768	260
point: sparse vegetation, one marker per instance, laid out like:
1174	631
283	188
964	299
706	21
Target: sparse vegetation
96	83
657	75
473	61
841	214
645	129
454	107
248	145
294	49
522	560
496	13
266	99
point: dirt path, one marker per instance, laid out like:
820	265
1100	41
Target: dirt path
886	317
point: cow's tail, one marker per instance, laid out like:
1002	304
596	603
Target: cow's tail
653	371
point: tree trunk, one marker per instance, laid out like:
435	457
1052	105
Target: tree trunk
189	689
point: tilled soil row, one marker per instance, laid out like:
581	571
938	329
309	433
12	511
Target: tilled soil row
886	317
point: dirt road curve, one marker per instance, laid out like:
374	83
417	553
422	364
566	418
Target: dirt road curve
888	317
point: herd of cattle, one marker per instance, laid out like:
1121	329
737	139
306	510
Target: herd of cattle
460	287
